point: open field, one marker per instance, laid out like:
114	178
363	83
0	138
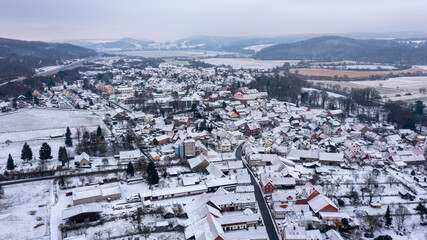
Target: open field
30	126
388	88
350	73
24	207
36	119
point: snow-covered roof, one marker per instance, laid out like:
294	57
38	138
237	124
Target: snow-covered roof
79	209
319	202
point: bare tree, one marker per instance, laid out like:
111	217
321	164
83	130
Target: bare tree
68	182
146	231
98	235
78	134
82	179
401	215
391	180
371	185
109	231
90	178
374	223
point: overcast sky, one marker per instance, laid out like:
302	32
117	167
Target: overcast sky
163	20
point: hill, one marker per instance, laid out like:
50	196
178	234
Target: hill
18	58
334	48
124	44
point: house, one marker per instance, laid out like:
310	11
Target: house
205	228
161	140
82	213
276	180
321	203
181	121
154	156
292	231
130	156
190	147
303	155
331	158
239	221
252	129
199	163
225	146
96	193
83	160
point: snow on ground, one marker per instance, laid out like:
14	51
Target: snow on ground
257	48
15	207
238	63
15	150
48	68
330	94
37	119
370	67
35	126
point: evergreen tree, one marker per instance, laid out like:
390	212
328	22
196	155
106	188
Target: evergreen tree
419	107
45	152
99	131
68	140
26	153
153	175
224	105
10	165
130	169
387	217
62	155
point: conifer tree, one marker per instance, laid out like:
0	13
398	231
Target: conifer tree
10	165
153	175
45	152
130	169
387	217
68	140
99	131
26	153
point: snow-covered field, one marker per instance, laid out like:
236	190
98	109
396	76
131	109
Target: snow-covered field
36	119
35	126
388	88
257	48
248	62
370	67
24	207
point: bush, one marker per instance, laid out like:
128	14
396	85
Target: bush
340	202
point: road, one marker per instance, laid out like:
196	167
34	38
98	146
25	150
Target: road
14	80
53	71
265	213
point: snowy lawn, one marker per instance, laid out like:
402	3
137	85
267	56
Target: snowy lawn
36	119
24	211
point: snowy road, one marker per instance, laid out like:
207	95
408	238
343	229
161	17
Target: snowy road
266	216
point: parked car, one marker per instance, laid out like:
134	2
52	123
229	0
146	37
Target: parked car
68	194
133	198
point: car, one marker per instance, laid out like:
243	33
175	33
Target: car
361	213
68	194
133	198
369	235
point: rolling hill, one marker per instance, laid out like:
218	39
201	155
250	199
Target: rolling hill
335	48
18	58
